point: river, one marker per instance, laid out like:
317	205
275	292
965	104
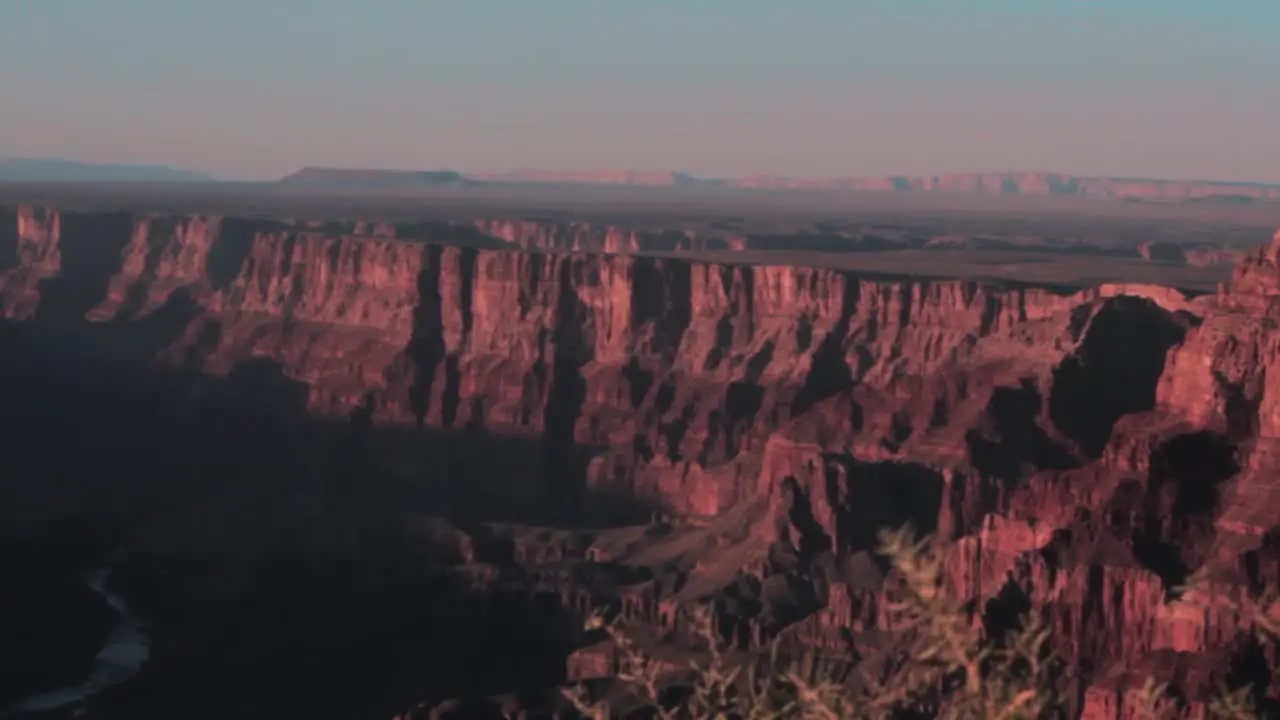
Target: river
121	657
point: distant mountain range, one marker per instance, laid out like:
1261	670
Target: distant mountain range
1003	183
13	169
1000	183
373	179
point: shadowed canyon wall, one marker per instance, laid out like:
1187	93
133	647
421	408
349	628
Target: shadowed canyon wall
1085	451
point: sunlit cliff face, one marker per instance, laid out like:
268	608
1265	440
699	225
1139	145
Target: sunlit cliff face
1042	435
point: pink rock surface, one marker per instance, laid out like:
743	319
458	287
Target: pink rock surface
1089	449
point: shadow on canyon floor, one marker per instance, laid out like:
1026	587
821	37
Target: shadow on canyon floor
1181	501
8	240
89	245
267	551
1110	375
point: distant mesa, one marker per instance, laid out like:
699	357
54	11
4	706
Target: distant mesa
383	179
373	179
1031	184
995	184
601	177
16	169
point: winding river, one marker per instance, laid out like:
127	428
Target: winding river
122	655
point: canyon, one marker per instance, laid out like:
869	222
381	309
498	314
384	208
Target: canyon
501	424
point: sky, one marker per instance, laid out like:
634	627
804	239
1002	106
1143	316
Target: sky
253	89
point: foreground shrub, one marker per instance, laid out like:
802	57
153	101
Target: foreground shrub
945	668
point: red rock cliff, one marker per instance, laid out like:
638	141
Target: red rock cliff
1090	450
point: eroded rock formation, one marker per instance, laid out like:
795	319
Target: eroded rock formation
1085	452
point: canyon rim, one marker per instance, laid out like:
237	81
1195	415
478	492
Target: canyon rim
569	415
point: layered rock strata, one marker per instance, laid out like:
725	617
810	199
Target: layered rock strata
1087	451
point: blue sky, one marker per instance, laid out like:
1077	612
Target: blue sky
814	88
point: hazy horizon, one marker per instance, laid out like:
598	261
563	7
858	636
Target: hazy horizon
817	89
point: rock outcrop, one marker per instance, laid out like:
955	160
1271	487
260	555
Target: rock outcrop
1084	451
